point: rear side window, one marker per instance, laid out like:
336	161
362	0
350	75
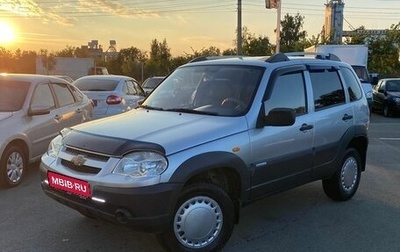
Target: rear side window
327	88
96	85
63	94
354	89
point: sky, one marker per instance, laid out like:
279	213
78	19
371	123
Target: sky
186	25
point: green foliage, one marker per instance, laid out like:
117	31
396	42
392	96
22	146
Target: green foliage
292	37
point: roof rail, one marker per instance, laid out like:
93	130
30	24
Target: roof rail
323	56
204	58
277	57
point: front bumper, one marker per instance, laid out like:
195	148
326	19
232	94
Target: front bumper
147	209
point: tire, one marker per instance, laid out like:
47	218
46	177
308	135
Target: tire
344	184
386	111
203	220
13	165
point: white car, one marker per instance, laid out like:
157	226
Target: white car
111	94
33	110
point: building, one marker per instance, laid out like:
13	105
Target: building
333	28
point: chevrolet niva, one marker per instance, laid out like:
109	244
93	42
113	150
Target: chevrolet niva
216	135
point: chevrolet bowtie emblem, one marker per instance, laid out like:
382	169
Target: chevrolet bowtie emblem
78	160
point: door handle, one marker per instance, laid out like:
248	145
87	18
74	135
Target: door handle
57	117
306	127
347	117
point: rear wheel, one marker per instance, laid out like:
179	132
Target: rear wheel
13	165
203	220
343	185
386	111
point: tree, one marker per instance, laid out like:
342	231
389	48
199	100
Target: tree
292	37
48	60
128	62
6	61
67	52
384	53
160	58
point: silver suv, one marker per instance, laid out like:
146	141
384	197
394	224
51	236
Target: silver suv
217	134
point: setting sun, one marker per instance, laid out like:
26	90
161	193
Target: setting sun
7	34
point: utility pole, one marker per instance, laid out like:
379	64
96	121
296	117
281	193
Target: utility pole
276	4
278	26
239	29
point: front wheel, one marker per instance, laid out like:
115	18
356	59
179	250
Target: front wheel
203	220
343	185
13	165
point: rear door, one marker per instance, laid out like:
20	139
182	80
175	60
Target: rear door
333	116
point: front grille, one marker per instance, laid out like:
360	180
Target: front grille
81	168
87	154
93	164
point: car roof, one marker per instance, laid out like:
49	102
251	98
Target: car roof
279	58
105	77
30	77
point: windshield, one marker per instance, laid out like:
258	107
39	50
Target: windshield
362	73
96	84
215	90
393	86
12	95
152	82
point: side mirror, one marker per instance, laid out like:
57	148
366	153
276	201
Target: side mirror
280	117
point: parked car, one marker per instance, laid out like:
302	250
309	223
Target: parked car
98	71
152	82
387	96
33	110
215	135
111	94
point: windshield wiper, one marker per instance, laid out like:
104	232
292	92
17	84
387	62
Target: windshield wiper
150	107
192	111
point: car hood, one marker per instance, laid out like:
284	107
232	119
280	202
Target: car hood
5	115
172	130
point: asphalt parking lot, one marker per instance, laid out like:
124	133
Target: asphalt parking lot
302	219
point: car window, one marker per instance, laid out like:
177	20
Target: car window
96	84
393	85
42	98
327	88
138	89
215	89
354	89
12	95
130	89
152	82
77	94
288	92
63	94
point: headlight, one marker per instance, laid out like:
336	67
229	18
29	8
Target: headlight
397	100
141	164
55	146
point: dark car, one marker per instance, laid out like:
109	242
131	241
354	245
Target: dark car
151	83
387	96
